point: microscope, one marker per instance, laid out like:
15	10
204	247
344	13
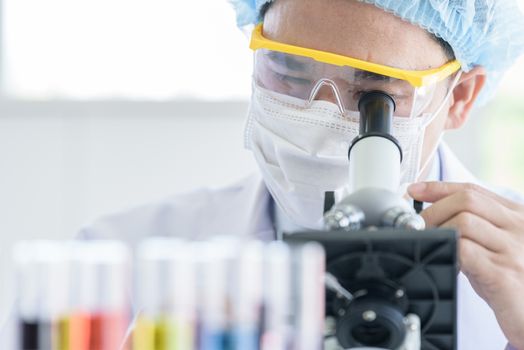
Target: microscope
390	283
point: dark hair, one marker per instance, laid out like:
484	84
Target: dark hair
448	50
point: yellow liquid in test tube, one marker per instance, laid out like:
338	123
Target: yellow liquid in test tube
63	334
184	335
163	334
144	334
154	334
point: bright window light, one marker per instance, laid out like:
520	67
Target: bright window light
132	49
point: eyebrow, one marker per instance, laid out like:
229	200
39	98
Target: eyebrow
287	61
362	74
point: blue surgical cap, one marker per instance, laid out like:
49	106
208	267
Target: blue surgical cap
487	33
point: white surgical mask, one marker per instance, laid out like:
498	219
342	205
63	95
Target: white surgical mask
302	150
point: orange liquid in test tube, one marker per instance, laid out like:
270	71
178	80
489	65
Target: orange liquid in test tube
101	331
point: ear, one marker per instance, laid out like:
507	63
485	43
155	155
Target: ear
463	97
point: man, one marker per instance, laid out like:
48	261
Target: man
300	121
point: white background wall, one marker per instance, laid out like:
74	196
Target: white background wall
61	169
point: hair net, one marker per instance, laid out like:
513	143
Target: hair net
488	33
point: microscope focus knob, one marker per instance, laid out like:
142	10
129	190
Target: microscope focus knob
344	217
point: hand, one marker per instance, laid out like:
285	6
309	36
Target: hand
491	245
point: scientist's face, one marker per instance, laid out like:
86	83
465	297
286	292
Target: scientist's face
363	31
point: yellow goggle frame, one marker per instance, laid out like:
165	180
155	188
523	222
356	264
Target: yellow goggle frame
416	78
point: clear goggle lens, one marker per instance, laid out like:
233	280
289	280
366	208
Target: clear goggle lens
307	79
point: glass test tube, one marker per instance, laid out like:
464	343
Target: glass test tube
166	296
247	296
42	270
309	310
277	294
101	302
216	305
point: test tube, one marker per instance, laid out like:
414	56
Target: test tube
309	313
215	315
277	295
101	287
42	270
247	296
166	296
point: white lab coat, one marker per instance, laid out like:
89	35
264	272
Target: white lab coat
242	210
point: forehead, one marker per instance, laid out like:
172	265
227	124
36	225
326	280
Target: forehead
354	29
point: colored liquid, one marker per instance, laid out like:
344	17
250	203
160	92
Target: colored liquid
46	335
162	334
28	332
216	340
107	331
144	334
246	339
102	331
63	336
79	332
36	335
184	335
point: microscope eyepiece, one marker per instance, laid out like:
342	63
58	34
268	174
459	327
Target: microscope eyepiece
375	154
376	112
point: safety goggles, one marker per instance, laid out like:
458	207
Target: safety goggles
310	74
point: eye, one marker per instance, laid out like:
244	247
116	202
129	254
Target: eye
292	80
357	94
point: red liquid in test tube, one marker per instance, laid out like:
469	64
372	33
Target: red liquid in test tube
100	318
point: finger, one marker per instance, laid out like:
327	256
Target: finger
479	230
470	201
475	260
436	190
